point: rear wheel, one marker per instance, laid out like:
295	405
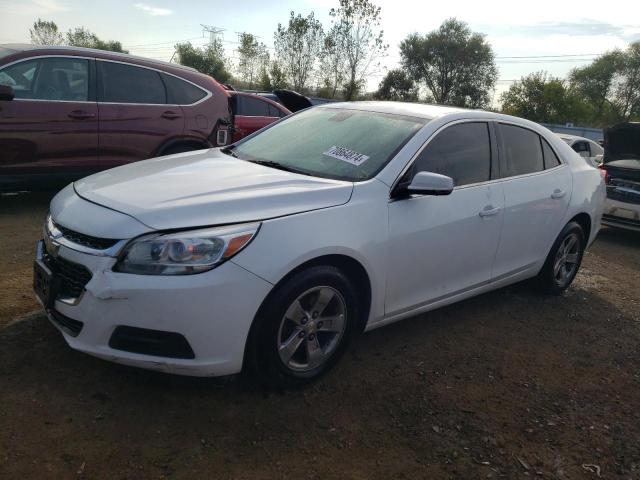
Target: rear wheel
563	261
305	327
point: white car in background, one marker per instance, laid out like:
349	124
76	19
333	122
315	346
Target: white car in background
584	147
275	252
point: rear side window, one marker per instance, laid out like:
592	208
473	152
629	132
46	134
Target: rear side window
120	83
550	158
53	78
273	111
252	107
522	151
180	92
462	152
582	148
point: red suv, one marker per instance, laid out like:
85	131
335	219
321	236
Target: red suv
68	112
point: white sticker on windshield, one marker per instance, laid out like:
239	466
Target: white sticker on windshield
346	155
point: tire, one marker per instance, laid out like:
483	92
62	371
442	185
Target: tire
564	259
293	343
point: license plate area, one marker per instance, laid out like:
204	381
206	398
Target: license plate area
45	282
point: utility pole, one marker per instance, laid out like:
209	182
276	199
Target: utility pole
214	33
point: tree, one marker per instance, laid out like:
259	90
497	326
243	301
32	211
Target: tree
254	57
396	85
265	80
82	37
45	33
610	85
542	98
277	76
209	60
627	89
358	34
333	61
297	46
455	64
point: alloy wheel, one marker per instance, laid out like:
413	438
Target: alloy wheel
566	261
312	328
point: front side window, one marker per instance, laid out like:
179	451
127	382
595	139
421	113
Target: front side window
53	78
334	143
462	152
522	151
120	83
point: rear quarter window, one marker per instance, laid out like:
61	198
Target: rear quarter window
180	92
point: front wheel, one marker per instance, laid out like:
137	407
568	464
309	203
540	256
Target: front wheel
305	327
564	259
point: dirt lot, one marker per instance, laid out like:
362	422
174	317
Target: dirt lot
506	385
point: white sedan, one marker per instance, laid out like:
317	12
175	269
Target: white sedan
272	254
584	147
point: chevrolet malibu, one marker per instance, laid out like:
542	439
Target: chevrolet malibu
274	253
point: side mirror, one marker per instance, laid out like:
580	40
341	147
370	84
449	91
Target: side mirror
6	93
427	183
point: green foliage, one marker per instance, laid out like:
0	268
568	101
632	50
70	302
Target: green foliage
45	33
542	98
333	62
254	58
297	46
81	37
396	85
277	76
209	60
455	64
359	40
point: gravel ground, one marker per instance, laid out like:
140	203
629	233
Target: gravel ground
510	384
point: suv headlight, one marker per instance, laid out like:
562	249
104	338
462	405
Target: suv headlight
185	253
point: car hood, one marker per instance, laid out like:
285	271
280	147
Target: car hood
208	188
622	142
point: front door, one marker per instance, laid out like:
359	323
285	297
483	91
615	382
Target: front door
50	128
444	245
135	119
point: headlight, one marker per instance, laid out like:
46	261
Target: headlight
185	253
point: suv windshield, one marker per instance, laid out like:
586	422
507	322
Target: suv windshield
334	143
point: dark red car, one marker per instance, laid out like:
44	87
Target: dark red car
252	112
68	112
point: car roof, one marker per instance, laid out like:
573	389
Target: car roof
26	47
574	138
420	110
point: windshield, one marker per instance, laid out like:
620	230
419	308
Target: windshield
334	143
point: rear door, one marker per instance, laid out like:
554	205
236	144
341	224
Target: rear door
51	127
251	114
135	117
537	189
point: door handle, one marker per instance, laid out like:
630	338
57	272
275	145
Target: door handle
169	115
81	115
557	193
489	211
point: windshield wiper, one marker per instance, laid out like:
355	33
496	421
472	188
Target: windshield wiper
229	151
279	166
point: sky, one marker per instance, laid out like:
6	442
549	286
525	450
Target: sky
554	36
